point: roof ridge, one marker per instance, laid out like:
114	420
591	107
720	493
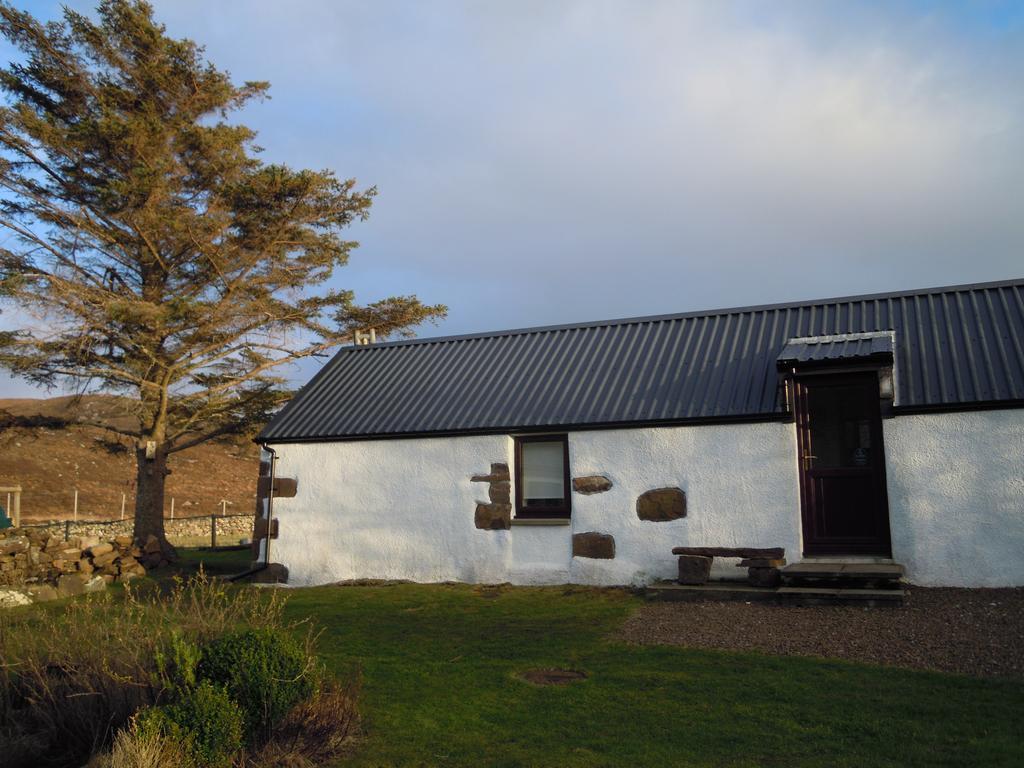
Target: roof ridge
686	315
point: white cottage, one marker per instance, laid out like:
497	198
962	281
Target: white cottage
881	427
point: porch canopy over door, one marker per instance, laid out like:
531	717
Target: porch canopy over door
841	348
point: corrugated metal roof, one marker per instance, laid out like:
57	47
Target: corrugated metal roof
843	346
955	346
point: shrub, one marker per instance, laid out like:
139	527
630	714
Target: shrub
265	670
72	676
205	721
176	664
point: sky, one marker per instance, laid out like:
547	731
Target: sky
561	161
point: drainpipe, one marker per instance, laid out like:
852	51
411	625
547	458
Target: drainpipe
270	502
270	519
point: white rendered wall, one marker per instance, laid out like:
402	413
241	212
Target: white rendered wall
741	489
389	509
403	509
956	497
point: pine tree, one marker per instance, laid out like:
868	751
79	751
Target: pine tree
169	263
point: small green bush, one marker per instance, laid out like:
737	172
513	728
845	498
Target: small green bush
205	720
176	663
72	676
265	670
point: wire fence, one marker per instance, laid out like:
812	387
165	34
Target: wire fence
103	503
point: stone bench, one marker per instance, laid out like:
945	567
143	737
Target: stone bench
762	564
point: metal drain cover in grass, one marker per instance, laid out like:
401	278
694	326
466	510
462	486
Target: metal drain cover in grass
552	676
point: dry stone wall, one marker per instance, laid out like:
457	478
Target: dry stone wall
231	528
43	565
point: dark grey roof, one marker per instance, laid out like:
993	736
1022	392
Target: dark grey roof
960	346
843	346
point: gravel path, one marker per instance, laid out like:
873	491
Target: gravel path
976	632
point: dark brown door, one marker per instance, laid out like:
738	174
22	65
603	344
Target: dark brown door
842	465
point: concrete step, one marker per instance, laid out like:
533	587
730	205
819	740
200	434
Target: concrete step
843	570
842	575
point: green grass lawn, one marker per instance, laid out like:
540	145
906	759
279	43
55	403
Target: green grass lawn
439	668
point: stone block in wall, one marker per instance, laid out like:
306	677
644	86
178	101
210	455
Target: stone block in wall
493	517
104	559
14	544
42	592
10	598
499	474
500	492
284	487
600	546
70	584
661	505
497	515
259	529
591	484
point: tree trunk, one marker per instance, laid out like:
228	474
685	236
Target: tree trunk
149	506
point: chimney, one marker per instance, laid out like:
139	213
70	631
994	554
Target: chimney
365	338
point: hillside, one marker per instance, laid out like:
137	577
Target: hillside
44	450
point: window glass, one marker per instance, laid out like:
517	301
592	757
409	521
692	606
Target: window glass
840	427
543	474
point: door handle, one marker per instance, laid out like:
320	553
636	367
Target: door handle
807	460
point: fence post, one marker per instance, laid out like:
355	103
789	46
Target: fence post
76	505
172	507
122	506
213	531
67	530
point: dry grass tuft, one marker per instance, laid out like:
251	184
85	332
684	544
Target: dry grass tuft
315	732
138	748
